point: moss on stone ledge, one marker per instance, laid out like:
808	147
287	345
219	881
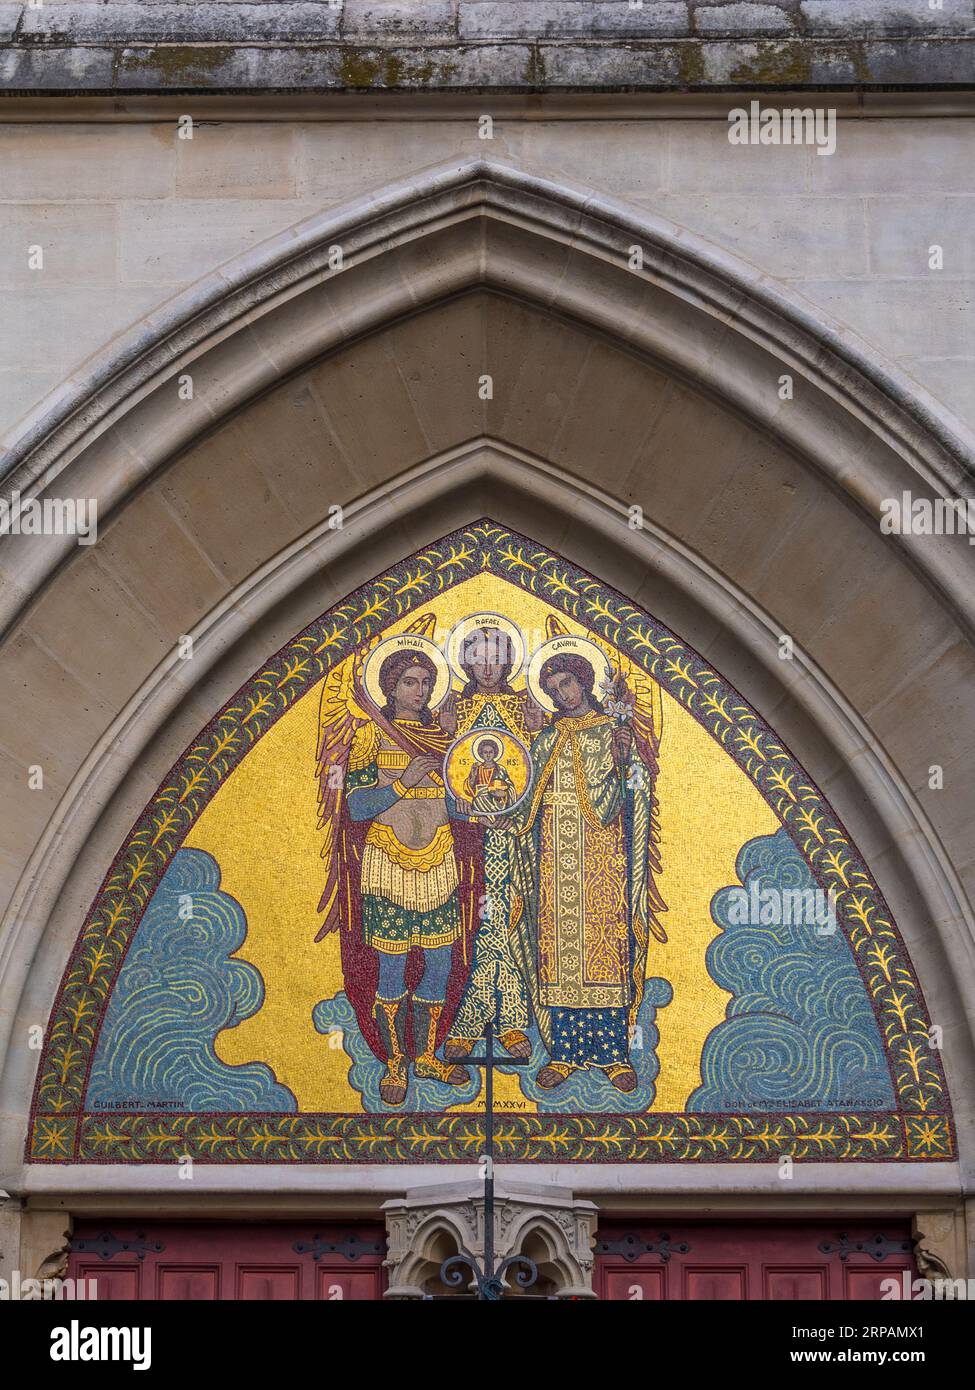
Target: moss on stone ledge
176	63
775	64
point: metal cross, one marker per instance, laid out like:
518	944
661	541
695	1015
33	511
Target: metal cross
490	1282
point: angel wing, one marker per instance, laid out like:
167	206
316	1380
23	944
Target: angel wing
340	715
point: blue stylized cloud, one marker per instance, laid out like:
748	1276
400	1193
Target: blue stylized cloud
177	989
800	1032
585	1090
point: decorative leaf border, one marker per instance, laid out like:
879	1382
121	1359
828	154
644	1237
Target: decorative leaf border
61	1132
422	1138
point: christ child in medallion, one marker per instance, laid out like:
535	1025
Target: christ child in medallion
488	785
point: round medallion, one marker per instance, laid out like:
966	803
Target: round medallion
489	770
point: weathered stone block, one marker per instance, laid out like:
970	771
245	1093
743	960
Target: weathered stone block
62	162
226	506
575	65
375	442
155	559
852	17
313	473
702	160
950	380
331	166
792	236
913	318
159	68
774	62
901	232
843	65
9	18
741	19
236	161
920	62
554	19
483	19
399	18
633	164
206	22
20	391
876	156
177	241
37	690
60	327
327	68
90	601
654	19
56	69
77	243
440	355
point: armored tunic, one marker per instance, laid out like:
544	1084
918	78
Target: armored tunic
409	869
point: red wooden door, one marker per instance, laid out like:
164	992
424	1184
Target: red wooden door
200	1261
684	1260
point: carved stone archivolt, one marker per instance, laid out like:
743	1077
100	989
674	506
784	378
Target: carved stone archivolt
553	259
548	1225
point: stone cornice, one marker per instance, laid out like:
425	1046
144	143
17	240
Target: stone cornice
493	46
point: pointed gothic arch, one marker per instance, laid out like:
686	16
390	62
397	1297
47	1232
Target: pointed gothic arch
456	233
704	314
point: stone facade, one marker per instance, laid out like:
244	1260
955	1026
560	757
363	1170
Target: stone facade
502	248
130	215
496	45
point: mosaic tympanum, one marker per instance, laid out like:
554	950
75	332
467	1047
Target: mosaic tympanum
486	787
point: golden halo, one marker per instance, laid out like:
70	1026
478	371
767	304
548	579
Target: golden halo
455	642
567	646
490	737
406	642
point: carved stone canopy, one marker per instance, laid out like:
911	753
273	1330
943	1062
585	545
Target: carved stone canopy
431	1223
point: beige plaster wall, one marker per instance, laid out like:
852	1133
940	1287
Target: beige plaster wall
128	215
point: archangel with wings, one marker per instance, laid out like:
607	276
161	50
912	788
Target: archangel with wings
402	878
